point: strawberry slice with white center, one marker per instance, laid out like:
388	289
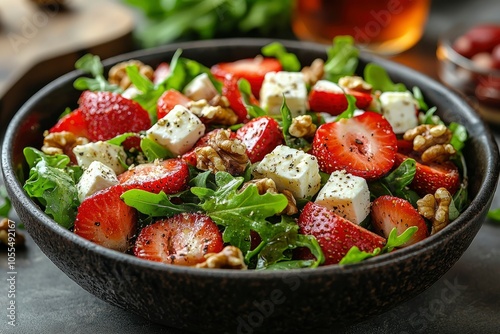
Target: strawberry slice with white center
430	177
106	220
183	239
252	69
390	212
336	235
364	146
170	176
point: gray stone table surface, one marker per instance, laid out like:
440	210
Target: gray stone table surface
464	300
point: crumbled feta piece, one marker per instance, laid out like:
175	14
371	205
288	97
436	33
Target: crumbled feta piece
110	155
347	195
289	84
291	169
96	177
201	88
178	131
327	86
400	110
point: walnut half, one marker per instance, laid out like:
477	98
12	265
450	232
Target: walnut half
436	208
432	142
302	126
222	153
229	258
61	143
118	74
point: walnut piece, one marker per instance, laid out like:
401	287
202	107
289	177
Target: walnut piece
229	258
118	74
217	114
355	83
314	72
267	185
432	142
61	143
222	153
5	226
436	208
302	126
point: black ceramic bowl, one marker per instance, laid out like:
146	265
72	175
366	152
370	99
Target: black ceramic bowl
250	301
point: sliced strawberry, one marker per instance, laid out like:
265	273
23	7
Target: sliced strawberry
336	235
261	135
428	178
109	114
390	212
161	73
335	102
364	145
169	100
252	69
171	176
183	239
106	220
405	146
72	122
232	93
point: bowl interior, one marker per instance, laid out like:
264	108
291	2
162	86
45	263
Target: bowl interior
409	269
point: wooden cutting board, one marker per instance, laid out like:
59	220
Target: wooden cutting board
39	44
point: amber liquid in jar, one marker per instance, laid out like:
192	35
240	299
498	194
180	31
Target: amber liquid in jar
382	26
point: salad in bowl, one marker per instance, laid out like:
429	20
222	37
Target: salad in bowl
259	163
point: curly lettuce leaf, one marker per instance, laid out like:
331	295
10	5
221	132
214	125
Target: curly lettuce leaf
53	183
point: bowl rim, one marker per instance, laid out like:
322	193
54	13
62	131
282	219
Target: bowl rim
484	194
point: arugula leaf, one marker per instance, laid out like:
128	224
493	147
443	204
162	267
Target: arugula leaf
5	203
246	91
91	64
342	58
396	183
377	76
289	61
239	212
355	255
53	183
351	107
155	205
118	140
417	94
459	136
429	117
152	150
294	142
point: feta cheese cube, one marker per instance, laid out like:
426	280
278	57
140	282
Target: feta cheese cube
178	131
291	169
347	195
289	84
400	110
201	88
110	155
96	177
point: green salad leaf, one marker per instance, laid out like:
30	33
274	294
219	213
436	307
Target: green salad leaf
351	107
289	61
377	76
152	150
91	64
494	215
155	205
417	94
342	58
53	183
